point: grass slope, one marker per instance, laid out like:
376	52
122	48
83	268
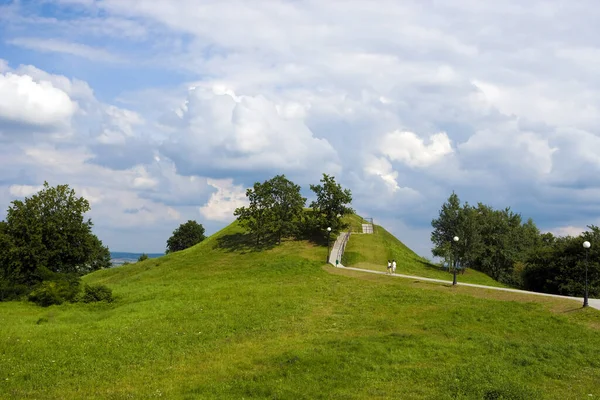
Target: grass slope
220	321
371	251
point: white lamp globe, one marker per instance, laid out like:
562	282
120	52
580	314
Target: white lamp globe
455	238
586	244
329	229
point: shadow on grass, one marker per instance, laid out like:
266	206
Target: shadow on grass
434	267
244	243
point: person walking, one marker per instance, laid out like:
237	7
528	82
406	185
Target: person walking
393	266
389	267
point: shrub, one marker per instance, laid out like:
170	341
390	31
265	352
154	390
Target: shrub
11	291
46	294
56	288
143	257
93	293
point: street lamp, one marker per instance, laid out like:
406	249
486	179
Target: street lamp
455	238
586	246
328	234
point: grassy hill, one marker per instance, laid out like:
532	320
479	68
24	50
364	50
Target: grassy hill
371	251
223	321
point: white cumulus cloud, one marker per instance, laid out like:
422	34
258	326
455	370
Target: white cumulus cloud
224	201
25	101
412	150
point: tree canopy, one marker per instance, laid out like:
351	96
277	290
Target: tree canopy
275	208
186	235
47	233
332	200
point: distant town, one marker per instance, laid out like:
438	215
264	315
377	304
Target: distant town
119	258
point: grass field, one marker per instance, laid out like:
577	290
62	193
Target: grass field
371	251
220	321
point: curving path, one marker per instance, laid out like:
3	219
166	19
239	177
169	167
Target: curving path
594	303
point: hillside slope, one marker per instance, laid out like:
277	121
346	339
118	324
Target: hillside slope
222	320
371	251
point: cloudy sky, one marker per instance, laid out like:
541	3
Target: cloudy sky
160	111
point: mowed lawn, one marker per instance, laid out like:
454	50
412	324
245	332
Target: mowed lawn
371	251
220	321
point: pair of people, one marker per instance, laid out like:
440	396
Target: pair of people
391	267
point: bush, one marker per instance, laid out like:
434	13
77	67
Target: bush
11	291
56	288
93	293
143	257
46	294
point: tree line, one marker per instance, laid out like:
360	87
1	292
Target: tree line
276	209
512	251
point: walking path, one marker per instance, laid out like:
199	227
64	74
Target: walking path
594	303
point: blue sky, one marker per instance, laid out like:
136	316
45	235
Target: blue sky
167	110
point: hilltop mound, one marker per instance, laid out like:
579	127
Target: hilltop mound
223	320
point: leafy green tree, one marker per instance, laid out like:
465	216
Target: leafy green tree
543	266
469	246
491	241
332	200
186	235
500	236
558	265
445	227
287	206
48	232
143	257
257	217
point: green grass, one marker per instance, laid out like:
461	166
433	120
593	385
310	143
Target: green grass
371	251
221	321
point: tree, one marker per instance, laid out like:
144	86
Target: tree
558	266
143	257
287	206
331	201
490	241
46	234
186	235
500	234
445	227
469	246
258	215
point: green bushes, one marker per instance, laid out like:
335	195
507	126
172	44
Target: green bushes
56	289
68	290
46	294
11	291
93	293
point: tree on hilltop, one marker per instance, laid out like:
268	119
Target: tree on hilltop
186	235
332	200
287	206
275	208
257	216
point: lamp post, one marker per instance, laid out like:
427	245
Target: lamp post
455	238
586	246
328	234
